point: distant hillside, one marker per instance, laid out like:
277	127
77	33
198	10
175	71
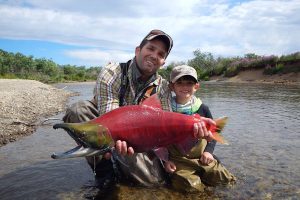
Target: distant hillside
258	76
208	67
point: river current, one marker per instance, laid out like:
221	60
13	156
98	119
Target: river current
264	151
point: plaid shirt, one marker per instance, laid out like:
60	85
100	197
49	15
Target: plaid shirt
107	89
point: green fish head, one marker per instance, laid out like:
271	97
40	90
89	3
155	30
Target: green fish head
88	134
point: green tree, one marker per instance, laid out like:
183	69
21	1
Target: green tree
202	60
204	63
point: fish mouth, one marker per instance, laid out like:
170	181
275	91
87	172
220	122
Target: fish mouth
82	150
79	151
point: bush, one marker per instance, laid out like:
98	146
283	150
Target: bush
232	71
8	76
294	57
206	78
270	70
219	69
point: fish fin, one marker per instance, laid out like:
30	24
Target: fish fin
197	116
152	101
220	124
219	138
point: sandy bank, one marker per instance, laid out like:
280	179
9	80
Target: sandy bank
23	103
257	76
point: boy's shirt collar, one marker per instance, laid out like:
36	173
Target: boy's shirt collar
191	107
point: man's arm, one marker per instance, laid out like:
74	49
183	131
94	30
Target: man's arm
107	88
106	95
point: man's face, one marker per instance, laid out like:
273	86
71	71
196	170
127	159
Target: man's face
151	57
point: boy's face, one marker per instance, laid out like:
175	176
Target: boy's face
184	89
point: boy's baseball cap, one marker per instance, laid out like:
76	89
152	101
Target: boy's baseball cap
183	70
160	34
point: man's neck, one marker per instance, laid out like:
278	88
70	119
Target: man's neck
144	78
140	75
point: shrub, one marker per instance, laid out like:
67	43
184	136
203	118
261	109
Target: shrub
232	71
219	69
270	70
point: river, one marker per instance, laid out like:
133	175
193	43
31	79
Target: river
264	151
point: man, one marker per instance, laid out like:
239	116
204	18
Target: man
128	84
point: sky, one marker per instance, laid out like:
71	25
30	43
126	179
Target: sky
95	32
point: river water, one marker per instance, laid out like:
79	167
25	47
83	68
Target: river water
264	151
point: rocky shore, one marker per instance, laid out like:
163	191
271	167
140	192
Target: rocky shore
23	103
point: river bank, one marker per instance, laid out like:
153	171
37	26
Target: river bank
23	103
257	76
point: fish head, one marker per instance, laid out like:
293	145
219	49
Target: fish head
88	134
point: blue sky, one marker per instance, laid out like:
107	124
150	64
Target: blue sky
94	32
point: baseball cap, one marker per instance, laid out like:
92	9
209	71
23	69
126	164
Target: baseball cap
183	70
160	34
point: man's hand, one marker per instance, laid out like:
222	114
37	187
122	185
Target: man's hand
206	158
200	130
121	148
170	167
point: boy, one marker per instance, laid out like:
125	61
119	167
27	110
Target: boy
191	163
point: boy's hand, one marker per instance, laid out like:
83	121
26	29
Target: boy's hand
200	130
170	167
206	158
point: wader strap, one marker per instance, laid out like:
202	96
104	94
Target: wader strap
148	92
124	82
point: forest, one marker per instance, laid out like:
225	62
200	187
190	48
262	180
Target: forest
17	65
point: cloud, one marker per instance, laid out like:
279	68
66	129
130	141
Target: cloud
116	8
227	28
262	27
95	56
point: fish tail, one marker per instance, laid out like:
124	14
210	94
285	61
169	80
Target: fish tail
220	124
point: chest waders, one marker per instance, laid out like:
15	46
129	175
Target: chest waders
124	84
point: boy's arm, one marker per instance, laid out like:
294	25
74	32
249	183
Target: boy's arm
210	147
205	112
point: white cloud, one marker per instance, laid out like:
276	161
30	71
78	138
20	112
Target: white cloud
95	56
116	27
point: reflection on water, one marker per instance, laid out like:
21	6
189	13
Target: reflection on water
263	129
